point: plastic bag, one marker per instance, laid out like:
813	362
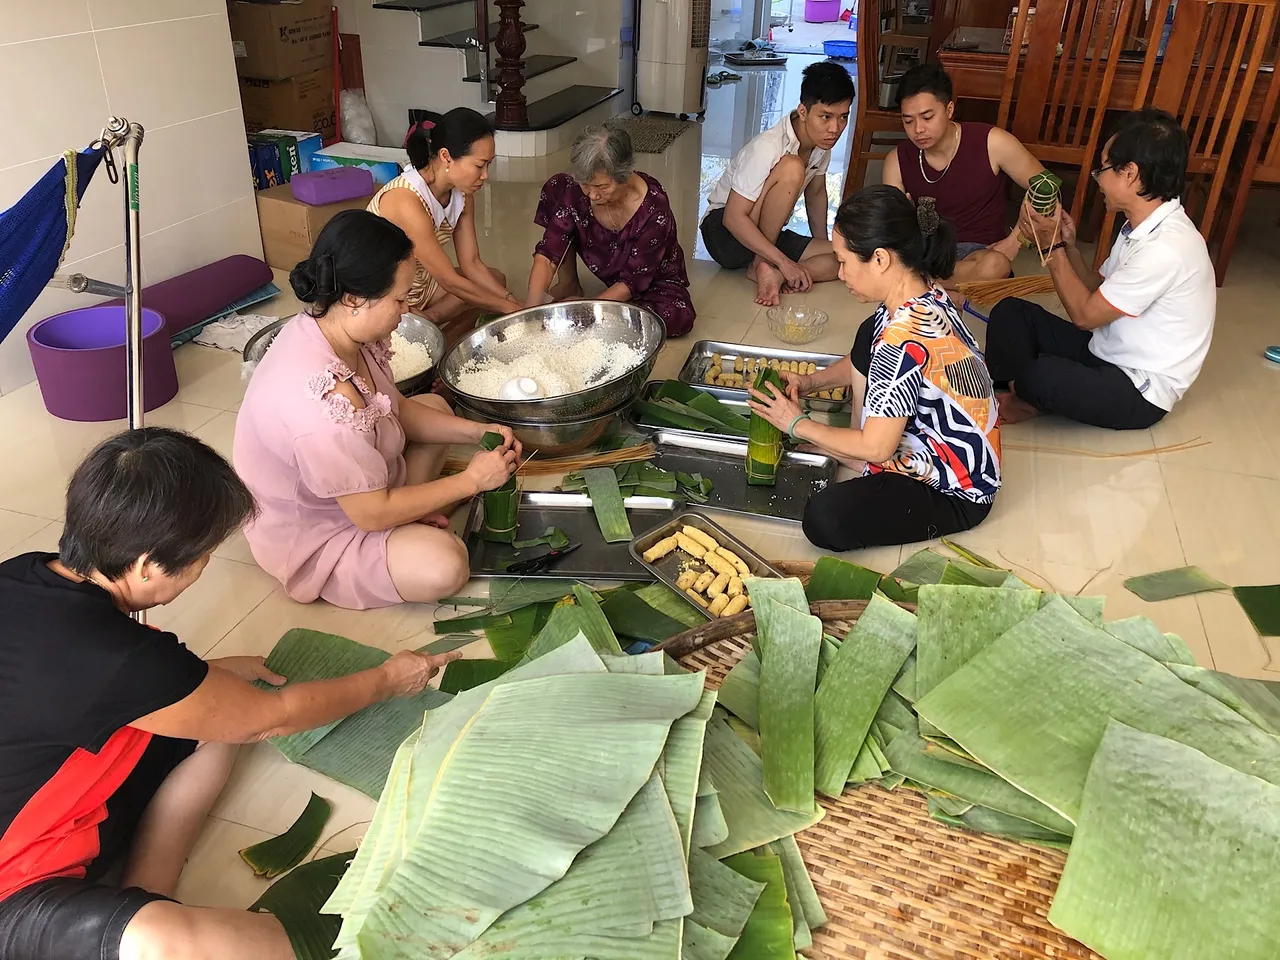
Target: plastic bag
357	119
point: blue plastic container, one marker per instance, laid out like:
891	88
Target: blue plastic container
841	49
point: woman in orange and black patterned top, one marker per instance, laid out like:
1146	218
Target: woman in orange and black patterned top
927	444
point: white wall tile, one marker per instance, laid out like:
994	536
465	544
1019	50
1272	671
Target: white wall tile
62	104
126	13
386	29
22	20
158	74
391	120
204	239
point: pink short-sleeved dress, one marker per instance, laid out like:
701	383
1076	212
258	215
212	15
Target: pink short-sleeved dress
299	446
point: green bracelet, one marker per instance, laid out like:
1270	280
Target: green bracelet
791	430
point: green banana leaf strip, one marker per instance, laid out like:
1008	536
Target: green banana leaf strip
723	898
740	690
798	881
923	566
672	414
701	943
1174	856
709	825
551	537
510	642
566	621
1168	584
947	804
788	591
891	589
631	617
449	643
961	573
1258	701
948	751
606	501
976	559
957	623
504	598
739	778
866	766
748	734
789	643
1262	606
431	909
665	600
1091	608
854	687
895	711
295	900
905	685
645	664
835	579
769	932
985	820
730	421
468	673
1142	634
907	756
474	621
596	624
681	765
270	858
1034	705
676	390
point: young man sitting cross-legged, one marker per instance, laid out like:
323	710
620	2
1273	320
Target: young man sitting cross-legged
753	200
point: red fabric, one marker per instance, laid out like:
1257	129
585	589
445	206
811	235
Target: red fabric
968	193
56	834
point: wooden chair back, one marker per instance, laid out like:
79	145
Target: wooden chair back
870	118
1060	71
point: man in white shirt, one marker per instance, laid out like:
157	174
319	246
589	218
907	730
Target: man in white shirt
1138	331
753	200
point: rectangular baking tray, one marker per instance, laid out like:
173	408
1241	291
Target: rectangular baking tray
572	513
800	475
695	367
667	569
739	60
737	406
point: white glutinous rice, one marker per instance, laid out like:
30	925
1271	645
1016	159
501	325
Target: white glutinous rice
408	357
555	368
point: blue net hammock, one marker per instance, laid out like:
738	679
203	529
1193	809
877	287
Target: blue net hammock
36	231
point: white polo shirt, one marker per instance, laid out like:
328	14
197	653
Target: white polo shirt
1159	276
754	162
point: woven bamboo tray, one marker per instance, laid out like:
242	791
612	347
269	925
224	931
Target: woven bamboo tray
896	884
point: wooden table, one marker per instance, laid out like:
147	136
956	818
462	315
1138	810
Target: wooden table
977	70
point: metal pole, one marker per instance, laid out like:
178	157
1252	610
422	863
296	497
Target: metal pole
132	134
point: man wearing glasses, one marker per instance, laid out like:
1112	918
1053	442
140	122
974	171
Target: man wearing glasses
1137	332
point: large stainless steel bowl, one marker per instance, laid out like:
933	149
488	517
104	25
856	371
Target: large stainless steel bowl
566	324
412	327
554	439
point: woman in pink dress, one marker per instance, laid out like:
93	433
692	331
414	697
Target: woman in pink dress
345	470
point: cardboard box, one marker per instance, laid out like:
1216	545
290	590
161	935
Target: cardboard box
308	144
286	148
385	163
299	103
275	41
290	227
264	161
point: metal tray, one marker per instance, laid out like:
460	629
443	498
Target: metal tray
668	568
832	418
572	513
695	367
800	475
738	60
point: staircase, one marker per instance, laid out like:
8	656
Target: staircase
533	98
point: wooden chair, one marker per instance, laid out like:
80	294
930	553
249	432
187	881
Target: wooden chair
896	36
1058	113
1205	79
871	121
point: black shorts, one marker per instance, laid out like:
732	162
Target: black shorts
66	919
730	252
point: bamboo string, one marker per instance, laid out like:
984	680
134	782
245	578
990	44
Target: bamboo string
1192	444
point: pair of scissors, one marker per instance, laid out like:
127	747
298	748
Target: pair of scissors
540	563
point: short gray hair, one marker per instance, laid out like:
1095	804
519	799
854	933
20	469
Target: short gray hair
602	146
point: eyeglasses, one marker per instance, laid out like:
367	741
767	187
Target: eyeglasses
1099	171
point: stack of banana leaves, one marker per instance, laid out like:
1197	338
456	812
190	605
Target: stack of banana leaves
1023	714
642	479
676	404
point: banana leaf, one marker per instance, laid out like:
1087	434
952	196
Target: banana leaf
854	687
430	908
709	825
764	440
1034	705
749	735
894	710
1142	634
1262	606
835	579
551	537
789	645
701	943
739	778
566	622
501	506
510	642
866	765
798	880
985	820
449	643
506	597
1168	584
1258	701
787	590
969	556
923	566
730	420
740	690
681	765
270	858
295	900
905	685
644	664
769	930
961	573
596	624
958	622
1091	608
801	934
606	501
665	600
723	898
467	673
629	616
907	756
1175	856
665	412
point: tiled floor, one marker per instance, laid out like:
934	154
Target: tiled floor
1070	520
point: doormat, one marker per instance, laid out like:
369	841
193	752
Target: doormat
653	134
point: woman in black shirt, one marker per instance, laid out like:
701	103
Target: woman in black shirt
115	739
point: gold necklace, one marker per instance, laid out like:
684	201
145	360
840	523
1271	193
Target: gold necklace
956	128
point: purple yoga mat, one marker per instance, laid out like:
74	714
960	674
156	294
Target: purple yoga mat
190	297
80	363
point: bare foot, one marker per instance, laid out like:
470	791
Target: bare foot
768	280
1013	409
1010	246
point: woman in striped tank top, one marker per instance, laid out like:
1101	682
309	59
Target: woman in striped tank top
432	201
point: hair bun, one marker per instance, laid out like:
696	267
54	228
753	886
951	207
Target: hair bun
303	283
927	215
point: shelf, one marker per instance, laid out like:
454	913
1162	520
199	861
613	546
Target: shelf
563	106
464	38
534	66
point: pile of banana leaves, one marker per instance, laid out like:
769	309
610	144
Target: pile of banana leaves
641	479
1023	714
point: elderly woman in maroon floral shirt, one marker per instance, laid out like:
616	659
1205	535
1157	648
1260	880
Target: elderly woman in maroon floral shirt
620	223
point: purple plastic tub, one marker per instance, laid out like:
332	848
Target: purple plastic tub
80	365
821	11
